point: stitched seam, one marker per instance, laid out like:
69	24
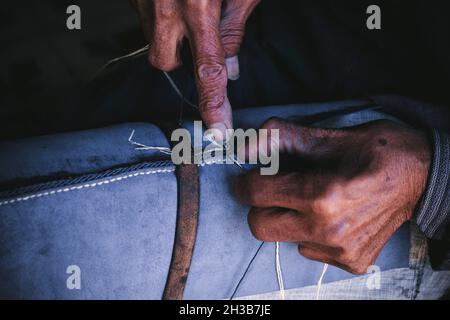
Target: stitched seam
431	213
438	213
81	179
84	186
432	182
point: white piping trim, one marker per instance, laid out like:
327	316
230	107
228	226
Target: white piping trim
84	186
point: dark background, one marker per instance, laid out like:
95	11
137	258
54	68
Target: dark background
294	51
44	65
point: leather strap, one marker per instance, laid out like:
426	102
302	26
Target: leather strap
186	228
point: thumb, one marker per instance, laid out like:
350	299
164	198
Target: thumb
295	140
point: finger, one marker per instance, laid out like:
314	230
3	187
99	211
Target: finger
166	35
264	191
277	224
290	138
232	25
297	191
209	59
316	255
325	249
265	141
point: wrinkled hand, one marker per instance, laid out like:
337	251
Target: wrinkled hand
215	29
360	185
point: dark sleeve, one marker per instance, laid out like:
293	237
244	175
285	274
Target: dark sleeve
433	212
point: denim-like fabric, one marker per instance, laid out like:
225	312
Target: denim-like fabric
117	229
120	233
40	159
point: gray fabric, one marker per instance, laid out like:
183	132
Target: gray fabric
418	281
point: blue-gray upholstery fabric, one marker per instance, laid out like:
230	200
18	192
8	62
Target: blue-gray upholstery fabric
120	233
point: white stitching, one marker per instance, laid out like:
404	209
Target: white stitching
92	185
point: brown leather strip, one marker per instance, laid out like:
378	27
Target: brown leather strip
186	229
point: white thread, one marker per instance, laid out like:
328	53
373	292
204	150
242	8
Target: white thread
168	151
278	266
91	185
141	146
115	60
139	52
178	92
319	283
223	147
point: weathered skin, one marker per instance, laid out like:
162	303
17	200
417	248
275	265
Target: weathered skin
215	29
359	186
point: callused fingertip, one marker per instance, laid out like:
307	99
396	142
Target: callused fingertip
217	132
232	64
227	113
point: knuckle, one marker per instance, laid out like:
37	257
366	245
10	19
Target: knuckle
273	123
211	71
328	216
331	238
212	81
197	5
329	204
336	232
321	205
163	13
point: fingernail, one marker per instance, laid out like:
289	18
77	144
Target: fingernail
232	64
220	132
